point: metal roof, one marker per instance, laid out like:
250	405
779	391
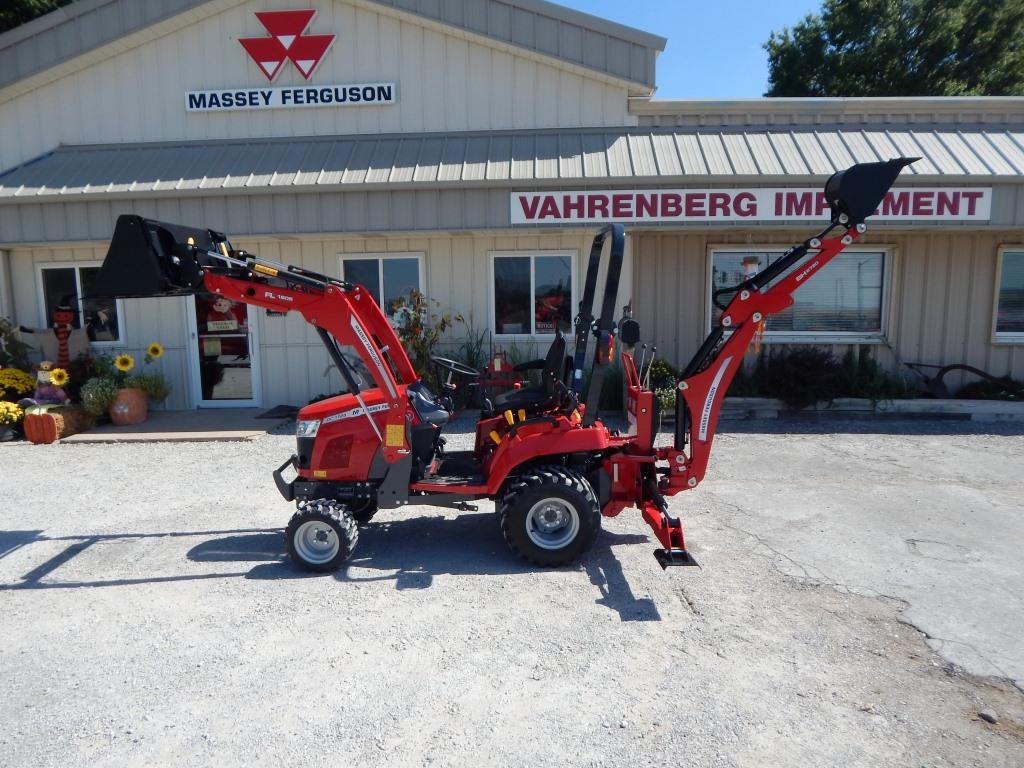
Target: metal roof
86	26
507	159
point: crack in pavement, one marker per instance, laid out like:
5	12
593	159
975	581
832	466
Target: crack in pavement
860	591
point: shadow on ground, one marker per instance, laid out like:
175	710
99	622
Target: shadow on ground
411	552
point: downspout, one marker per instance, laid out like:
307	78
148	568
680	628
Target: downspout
6	297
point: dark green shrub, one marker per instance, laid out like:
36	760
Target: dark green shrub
867	378
663	374
804	376
1003	388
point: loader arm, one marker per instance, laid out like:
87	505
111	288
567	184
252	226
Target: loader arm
149	258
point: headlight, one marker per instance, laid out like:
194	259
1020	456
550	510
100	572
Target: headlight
307	428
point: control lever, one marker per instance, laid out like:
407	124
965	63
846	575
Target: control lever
647	379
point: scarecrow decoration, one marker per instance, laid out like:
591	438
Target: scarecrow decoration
62	341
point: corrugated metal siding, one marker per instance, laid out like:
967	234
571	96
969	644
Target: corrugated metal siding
445	83
528	156
940	298
70	32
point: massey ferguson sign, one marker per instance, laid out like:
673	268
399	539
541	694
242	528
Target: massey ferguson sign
288	41
754	205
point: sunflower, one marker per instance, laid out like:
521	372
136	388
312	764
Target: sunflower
154	351
59	377
124	363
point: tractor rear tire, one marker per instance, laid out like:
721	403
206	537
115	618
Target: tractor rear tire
550	515
321	535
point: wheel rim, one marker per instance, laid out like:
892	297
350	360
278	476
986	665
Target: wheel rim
316	542
552	523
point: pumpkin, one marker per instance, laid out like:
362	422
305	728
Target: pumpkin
50	426
42	428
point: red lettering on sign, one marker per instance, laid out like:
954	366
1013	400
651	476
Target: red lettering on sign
778	203
646	205
745	204
572	205
972	199
718	202
947	202
671	205
695	204
923	204
798	204
896	204
529	206
820	203
597	204
622	206
549	208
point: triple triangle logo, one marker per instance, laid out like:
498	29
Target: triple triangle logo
286	42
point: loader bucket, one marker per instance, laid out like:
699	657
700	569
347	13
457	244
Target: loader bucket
859	190
150	258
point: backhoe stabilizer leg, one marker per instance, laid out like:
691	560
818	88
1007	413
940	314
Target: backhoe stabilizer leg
669	531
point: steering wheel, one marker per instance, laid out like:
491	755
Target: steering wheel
454	367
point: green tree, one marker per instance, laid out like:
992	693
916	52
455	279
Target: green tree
14	13
901	48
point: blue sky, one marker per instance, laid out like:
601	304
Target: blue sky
714	47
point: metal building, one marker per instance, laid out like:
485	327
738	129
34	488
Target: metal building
469	149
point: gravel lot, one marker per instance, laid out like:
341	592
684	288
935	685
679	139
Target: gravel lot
148	617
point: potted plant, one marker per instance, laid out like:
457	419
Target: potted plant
16	384
124	397
10	416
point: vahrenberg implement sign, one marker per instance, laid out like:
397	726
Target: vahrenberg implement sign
755	204
301	96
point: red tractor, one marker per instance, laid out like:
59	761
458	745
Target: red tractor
541	454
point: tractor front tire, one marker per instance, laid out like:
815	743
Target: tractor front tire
550	515
321	535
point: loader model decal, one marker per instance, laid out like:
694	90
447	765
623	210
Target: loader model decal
286	43
705	414
357	328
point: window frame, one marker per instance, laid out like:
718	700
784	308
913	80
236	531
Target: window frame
46	322
420	257
809	337
492	319
1003	337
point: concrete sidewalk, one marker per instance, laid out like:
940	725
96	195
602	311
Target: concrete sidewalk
208	424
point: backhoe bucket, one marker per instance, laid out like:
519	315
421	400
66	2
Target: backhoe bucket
150	258
859	190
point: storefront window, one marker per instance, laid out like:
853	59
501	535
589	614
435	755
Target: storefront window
390	278
67	286
1010	304
532	294
844	298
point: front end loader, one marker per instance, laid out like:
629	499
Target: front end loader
541	453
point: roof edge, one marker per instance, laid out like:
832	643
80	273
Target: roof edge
825	104
48	21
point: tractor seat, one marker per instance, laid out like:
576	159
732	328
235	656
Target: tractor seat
534	400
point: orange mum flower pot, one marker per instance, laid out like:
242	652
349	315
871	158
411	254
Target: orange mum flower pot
129	407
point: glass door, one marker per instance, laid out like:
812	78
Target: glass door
225	370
